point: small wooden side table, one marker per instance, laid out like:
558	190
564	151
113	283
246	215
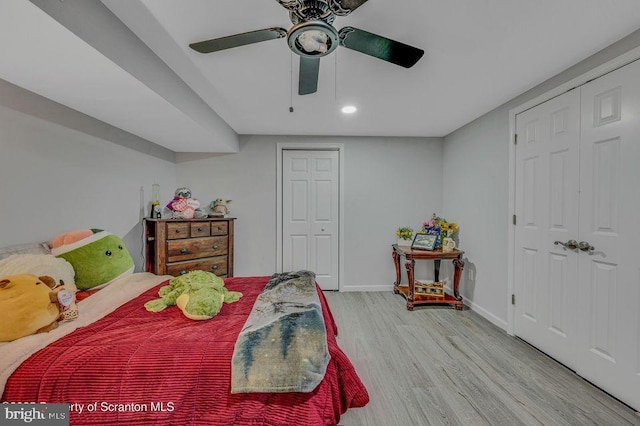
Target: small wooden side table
436	255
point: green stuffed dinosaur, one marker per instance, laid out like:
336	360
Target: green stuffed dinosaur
198	294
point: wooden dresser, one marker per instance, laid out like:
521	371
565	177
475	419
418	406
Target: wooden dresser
175	246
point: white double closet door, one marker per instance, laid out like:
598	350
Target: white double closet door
578	178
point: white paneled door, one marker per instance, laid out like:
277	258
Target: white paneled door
577	173
547	155
609	274
310	185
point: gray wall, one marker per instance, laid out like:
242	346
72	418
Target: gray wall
61	170
67	171
80	174
476	182
388	182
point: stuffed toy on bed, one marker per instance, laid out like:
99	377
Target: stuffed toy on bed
98	257
198	294
30	304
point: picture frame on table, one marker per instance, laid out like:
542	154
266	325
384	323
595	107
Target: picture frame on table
424	242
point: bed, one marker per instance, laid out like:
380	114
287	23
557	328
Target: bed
118	363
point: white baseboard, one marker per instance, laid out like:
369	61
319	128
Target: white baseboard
498	322
381	287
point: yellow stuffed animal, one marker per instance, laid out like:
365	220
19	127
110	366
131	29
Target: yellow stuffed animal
29	305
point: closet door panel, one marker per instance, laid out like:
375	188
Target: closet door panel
546	211
609	274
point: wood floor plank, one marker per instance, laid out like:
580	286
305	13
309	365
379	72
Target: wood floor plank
439	366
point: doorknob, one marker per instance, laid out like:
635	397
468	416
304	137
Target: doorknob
585	246
571	244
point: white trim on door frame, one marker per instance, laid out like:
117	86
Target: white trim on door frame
599	71
310	146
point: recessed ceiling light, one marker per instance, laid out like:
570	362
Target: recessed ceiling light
349	109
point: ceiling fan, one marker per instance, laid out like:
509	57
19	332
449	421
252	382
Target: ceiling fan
313	36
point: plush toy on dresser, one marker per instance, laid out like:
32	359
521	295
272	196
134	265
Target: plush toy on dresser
220	207
183	206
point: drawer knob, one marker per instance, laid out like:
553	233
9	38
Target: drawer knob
219	228
177	231
199	229
215	247
183	272
184	250
214	267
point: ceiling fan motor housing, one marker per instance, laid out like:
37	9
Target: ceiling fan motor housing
308	10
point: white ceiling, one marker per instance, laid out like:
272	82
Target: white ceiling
479	54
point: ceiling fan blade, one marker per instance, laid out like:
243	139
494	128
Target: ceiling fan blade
380	47
216	44
308	77
345	7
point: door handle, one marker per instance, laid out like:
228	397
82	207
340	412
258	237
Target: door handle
571	244
585	246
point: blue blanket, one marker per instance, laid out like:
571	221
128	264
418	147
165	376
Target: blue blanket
283	344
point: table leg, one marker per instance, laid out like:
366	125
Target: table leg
459	265
410	264
396	262
436	270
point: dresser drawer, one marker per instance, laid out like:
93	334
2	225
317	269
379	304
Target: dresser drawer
195	248
217	265
177	230
199	229
219	228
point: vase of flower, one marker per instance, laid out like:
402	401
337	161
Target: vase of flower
443	229
405	235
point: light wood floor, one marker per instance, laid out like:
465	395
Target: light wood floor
439	366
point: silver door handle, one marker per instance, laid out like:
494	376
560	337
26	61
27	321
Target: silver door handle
585	246
571	244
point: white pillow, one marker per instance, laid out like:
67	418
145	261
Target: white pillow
38	265
29	248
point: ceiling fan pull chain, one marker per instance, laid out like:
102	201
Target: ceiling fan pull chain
335	79
291	82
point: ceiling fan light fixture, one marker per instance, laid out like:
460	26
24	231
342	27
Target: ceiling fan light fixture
313	39
349	109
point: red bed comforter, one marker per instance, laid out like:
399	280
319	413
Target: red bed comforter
136	367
